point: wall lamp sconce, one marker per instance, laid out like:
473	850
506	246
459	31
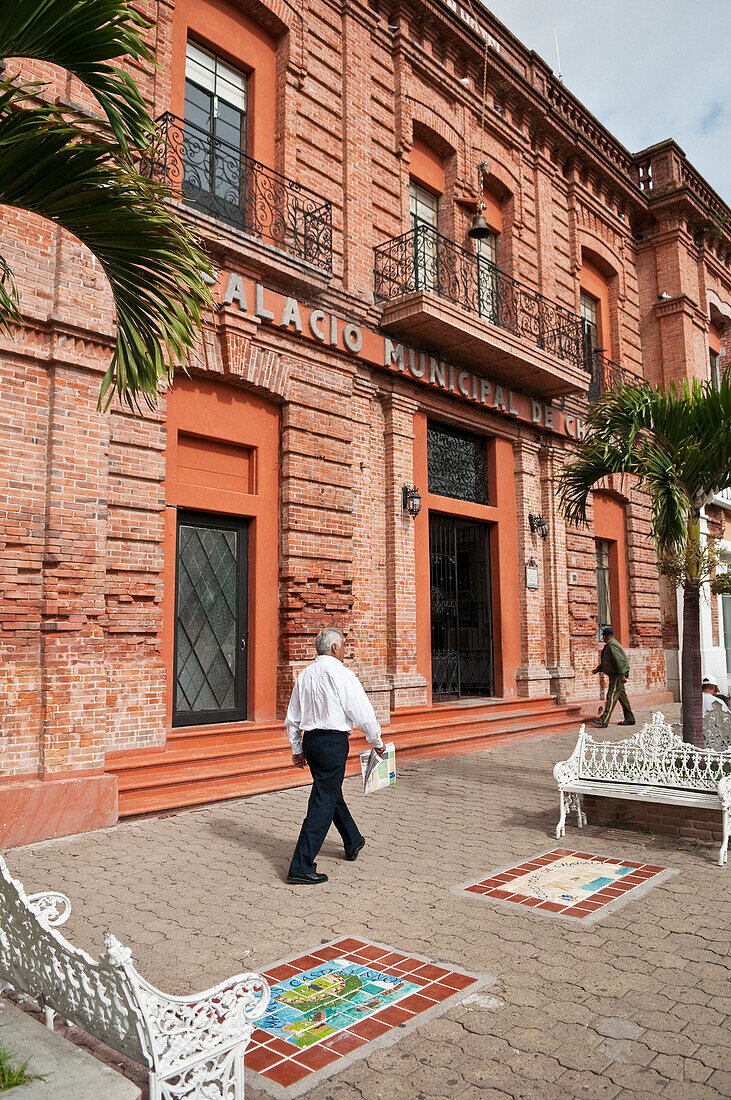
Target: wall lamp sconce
411	500
538	525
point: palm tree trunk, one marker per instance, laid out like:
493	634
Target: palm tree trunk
692	713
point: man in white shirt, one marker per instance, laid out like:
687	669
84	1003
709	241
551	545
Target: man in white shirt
327	701
711	698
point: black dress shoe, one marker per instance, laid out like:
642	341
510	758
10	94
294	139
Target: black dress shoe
306	880
626	723
355	852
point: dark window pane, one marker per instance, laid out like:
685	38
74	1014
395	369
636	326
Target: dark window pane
206	629
457	464
604	608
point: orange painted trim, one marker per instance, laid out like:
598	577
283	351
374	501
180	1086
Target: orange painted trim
493	212
35	809
233	36
609	525
502	518
422	571
426	166
714	339
594	283
506	577
228	414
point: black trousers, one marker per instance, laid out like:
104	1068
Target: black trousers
326	752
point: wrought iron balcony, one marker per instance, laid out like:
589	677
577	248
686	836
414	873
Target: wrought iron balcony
422	260
220	180
606	375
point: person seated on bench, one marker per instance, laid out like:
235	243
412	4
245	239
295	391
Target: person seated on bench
711	696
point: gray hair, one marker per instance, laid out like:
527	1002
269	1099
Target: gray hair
327	638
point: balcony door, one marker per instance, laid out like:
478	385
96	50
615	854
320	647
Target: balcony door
424	215
461	613
214	146
211	632
487	278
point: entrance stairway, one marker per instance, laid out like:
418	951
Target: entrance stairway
215	762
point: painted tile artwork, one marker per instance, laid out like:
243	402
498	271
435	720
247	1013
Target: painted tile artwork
327	1007
329	998
565	882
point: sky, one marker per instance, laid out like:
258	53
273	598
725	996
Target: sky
647	69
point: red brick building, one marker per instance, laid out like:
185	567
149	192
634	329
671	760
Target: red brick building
163	576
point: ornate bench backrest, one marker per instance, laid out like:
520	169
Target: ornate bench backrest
36	959
717	729
655	756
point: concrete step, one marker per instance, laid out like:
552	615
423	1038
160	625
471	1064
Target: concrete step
210	772
68	1072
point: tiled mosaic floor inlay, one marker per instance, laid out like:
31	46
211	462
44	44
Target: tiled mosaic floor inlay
328	1006
566	883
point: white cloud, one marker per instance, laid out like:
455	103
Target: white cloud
648	69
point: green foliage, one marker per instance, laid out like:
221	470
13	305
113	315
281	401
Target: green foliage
675	442
85	37
12	1075
76	174
694	563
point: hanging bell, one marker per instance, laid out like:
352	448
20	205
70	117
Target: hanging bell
480	229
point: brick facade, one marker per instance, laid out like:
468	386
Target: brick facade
87	550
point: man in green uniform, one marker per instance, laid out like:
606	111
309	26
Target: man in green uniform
614	664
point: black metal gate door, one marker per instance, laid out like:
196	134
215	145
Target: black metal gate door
461	613
210	619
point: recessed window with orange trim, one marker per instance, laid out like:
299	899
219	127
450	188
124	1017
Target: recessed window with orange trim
603	585
214	168
590	329
714	355
424	217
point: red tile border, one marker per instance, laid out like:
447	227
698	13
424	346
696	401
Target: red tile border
458	981
271	1058
261	1058
327	954
414	1003
344	1042
392	1015
278	973
497	885
282	1048
372	953
369	1029
317	1056
439	991
429	970
286	1073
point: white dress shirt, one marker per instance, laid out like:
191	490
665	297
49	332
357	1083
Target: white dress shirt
710	701
329	696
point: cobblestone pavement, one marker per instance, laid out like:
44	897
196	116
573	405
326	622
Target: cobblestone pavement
638	1004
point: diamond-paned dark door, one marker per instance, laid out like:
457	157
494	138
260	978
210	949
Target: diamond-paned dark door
210	620
461	611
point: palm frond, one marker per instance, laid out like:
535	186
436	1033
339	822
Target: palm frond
86	37
675	441
153	263
9	311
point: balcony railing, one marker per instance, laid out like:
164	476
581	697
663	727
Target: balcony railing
423	259
220	180
606	375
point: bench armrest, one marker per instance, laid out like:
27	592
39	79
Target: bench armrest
724	792
566	771
182	1028
51	907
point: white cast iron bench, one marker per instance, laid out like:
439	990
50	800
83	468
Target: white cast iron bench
193	1047
655	765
